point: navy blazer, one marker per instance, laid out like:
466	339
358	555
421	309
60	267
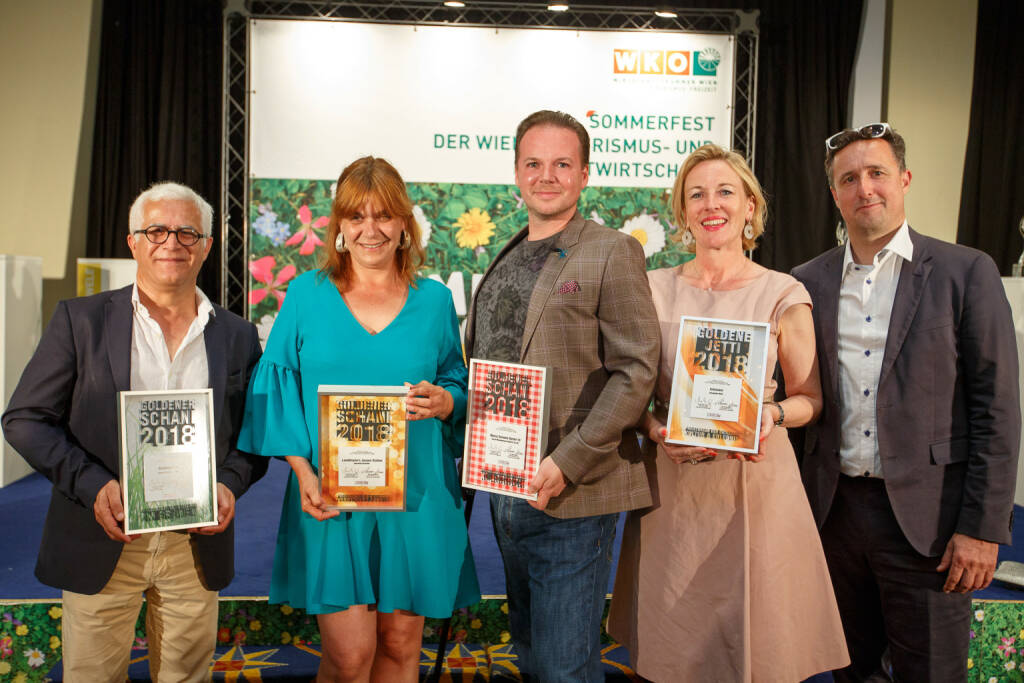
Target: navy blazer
948	404
62	418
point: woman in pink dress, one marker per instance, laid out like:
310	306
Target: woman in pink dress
723	578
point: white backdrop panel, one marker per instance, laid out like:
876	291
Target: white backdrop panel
442	103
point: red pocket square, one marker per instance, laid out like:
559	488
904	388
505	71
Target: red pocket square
569	287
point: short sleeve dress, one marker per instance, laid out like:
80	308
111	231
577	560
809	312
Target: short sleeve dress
724	578
417	560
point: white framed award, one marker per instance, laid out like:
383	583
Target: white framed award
718	383
168	460
506	427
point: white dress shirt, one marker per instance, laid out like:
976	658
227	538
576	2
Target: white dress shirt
152	367
865	308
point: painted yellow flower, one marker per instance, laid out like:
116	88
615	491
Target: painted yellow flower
476	623
504	608
475	229
255	625
20	677
5	668
970	663
286	637
286	609
55	612
54	642
21	630
505	637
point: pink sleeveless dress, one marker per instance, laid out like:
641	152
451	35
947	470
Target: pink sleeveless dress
724	578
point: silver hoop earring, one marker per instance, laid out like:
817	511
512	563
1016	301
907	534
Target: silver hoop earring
748	231
339	243
406	240
686	237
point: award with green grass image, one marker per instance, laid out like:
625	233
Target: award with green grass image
168	465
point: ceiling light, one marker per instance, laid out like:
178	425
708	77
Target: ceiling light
558	6
454	3
665	12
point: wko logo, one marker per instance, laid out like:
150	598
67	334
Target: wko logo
667	62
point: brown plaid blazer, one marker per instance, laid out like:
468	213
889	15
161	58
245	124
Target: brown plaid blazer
591	321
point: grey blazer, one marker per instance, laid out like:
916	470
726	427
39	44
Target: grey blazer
62	418
602	343
948	399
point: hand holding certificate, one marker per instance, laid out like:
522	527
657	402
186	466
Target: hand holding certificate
718	384
506	427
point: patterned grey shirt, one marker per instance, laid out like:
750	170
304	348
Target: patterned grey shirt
503	299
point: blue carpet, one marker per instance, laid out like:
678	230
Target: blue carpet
23	507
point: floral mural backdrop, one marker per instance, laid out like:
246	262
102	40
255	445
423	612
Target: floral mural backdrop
463	225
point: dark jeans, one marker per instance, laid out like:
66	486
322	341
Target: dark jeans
556	576
890	596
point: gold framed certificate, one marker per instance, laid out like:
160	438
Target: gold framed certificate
506	427
363	444
718	383
168	460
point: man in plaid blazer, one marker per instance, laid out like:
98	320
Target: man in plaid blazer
571	295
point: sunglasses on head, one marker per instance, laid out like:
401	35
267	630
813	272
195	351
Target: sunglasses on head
844	137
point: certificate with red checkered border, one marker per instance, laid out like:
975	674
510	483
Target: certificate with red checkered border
506	427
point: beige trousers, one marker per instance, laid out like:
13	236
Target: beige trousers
181	618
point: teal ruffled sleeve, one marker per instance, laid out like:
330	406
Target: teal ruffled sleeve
453	376
275	422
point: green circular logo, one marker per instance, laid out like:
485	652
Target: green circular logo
708	58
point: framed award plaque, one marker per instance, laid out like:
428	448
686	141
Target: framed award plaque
168	460
506	427
363	444
718	384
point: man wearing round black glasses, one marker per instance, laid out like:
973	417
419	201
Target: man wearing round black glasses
911	478
161	333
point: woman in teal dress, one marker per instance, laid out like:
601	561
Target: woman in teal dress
366	319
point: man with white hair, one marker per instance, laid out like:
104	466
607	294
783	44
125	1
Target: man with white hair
160	333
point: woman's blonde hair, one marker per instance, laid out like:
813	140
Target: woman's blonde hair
374	180
751	187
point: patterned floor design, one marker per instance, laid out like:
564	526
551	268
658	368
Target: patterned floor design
262	642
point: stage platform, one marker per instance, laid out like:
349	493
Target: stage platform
262	642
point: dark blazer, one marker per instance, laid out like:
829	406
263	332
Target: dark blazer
62	418
948	399
602	342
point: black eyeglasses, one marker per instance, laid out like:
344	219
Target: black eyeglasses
158	234
845	137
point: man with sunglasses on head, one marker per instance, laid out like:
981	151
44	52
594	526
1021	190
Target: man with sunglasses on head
160	333
911	478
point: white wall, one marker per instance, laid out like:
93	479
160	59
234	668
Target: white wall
867	96
48	58
931	71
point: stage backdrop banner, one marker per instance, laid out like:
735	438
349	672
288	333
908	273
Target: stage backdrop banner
442	105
